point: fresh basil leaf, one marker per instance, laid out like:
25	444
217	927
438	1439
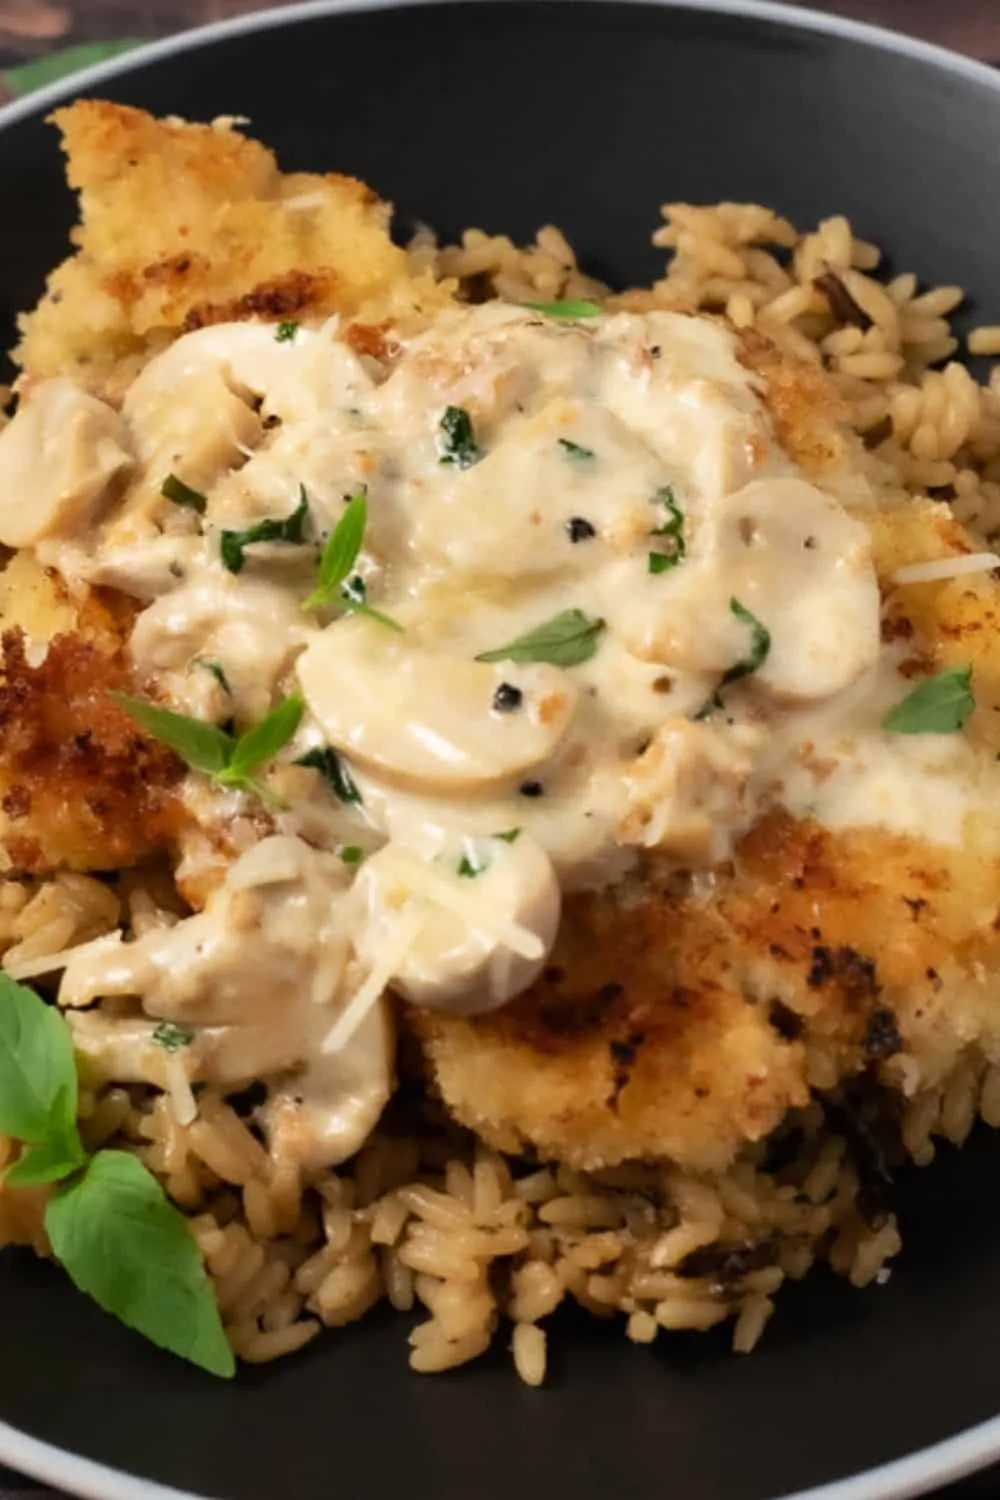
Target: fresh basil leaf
760	645
568	309
172	1037
509	835
341	550
52	1161
574	450
333	771
263	741
291	529
120	1240
38	1091
351	854
942	704
179	493
355	595
204	747
285	333
566	640
458	441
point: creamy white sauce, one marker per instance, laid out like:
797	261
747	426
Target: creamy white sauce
588	438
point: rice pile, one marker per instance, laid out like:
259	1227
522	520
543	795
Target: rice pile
424	1215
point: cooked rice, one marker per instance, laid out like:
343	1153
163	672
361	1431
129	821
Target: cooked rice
424	1214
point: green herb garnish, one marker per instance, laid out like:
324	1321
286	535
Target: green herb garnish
354	593
457	439
509	835
179	493
566	640
760	646
471	865
333	771
351	854
285	333
575	450
673	530
228	760
291	528
568	309
172	1037
217	670
942	704
340	551
109	1223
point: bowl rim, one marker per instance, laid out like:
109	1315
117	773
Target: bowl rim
916	1473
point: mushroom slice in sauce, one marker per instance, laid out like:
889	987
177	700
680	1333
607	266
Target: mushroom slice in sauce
59	457
793	558
484	927
424	720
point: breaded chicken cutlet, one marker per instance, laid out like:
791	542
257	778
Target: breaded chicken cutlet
561	684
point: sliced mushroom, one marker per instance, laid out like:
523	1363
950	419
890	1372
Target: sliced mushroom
792	558
487	919
428	721
250	627
59	457
197	429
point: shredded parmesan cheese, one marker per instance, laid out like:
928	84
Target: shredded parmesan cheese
947	567
400	940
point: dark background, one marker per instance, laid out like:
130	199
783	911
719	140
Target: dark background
35	29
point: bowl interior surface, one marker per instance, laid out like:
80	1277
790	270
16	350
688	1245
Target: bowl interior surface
508	116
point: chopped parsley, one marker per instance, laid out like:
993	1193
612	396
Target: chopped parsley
340	553
351	854
285	333
340	550
338	778
457	440
179	493
172	1037
354	592
290	529
760	646
471	865
509	835
576	450
566	640
941	704
217	670
672	531
568	309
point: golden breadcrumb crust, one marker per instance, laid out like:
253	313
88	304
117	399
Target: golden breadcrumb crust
680	1025
183	225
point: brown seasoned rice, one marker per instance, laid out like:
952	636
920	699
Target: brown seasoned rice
426	1215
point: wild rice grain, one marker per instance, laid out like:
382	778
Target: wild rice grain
528	1346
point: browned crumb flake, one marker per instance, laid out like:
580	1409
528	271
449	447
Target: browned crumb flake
81	787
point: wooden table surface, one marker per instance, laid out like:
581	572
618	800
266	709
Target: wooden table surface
31	30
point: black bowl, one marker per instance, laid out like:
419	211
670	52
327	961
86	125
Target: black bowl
509	115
